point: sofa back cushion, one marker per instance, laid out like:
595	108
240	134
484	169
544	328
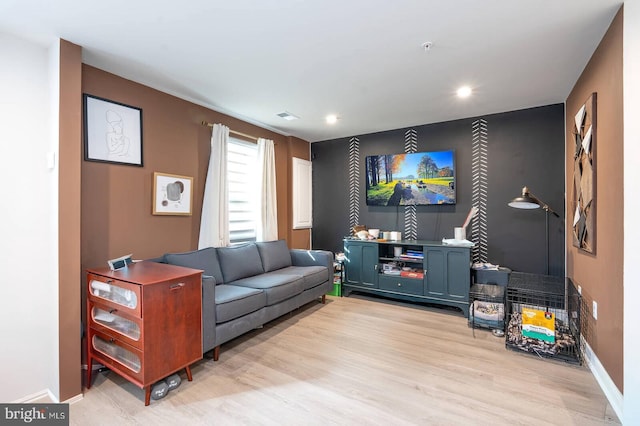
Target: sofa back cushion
205	259
240	261
274	255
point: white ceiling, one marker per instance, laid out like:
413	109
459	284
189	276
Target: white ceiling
360	59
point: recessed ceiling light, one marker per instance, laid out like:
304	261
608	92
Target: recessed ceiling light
287	115
464	92
331	119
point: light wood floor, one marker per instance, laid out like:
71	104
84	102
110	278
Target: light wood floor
356	361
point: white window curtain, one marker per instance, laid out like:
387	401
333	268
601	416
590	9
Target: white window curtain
214	223
267	223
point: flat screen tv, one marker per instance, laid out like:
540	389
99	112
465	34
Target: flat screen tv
420	178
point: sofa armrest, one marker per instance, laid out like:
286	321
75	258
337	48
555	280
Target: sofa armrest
301	257
208	312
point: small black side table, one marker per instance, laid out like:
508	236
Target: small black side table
489	294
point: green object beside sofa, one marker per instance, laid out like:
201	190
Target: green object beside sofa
248	285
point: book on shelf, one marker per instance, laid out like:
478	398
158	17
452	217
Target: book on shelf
411	257
412	274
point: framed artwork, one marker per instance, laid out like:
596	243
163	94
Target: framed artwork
584	176
172	194
112	132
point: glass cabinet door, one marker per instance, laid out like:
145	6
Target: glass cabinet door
114	293
111	320
118	353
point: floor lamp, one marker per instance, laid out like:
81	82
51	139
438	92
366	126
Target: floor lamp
529	201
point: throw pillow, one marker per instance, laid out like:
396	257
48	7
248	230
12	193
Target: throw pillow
274	255
239	262
205	259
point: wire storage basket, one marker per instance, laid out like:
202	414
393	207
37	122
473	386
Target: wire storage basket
486	306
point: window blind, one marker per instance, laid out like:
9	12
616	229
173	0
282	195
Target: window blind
243	190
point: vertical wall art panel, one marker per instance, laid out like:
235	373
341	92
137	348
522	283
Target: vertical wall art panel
354	182
410	219
480	185
584	177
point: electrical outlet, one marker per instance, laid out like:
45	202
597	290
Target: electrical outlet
579	289
595	310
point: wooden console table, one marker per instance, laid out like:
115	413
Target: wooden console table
144	322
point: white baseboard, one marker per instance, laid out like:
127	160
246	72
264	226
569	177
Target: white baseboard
53	397
45	393
609	388
74	399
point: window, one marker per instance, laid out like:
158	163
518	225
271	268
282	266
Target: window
242	160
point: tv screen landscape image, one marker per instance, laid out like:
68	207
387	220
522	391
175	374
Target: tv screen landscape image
420	178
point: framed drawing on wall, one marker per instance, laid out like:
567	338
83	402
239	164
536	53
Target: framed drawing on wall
584	176
172	194
112	132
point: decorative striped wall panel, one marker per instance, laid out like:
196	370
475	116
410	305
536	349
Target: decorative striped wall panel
410	219
479	177
354	183
410	141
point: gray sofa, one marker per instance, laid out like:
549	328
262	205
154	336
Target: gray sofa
246	286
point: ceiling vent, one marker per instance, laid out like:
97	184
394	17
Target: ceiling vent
287	115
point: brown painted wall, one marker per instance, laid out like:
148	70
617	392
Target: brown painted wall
601	274
69	277
116	199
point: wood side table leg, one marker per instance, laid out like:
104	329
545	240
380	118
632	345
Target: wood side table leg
147	395
188	370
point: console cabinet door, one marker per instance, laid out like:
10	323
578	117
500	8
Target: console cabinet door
370	265
458	274
448	273
436	272
361	263
353	262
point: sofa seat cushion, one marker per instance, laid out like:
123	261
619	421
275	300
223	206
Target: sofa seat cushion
311	275
235	301
277	287
239	262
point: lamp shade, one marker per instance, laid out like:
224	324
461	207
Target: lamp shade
525	201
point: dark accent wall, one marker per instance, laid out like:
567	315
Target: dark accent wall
524	147
601	274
